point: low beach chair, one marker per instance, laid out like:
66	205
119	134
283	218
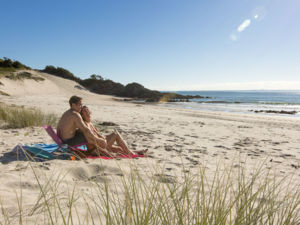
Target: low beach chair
58	141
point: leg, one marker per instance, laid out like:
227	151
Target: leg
92	150
116	137
121	142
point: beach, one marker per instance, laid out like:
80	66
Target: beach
178	140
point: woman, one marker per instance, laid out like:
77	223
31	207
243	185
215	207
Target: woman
120	148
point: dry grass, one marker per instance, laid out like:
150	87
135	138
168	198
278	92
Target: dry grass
23	75
19	117
227	198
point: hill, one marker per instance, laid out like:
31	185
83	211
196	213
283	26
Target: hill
15	70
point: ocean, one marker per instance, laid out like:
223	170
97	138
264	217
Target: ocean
243	101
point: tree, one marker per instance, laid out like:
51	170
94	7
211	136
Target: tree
96	77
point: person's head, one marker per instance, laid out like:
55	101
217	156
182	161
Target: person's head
85	114
75	103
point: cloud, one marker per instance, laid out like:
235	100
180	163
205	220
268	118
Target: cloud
244	25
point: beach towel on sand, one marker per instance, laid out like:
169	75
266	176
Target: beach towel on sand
53	151
48	151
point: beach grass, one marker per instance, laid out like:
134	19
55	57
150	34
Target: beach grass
19	117
229	197
23	75
6	70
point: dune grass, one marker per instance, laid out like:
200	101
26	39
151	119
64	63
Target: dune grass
19	117
23	75
6	70
229	197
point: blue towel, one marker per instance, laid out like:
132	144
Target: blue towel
45	150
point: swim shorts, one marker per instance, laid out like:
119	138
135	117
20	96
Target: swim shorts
76	140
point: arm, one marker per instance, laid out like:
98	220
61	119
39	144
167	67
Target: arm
96	131
91	138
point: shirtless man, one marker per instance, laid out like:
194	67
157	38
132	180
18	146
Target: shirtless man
72	129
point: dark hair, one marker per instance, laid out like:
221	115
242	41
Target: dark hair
74	99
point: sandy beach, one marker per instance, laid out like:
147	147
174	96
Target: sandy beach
179	141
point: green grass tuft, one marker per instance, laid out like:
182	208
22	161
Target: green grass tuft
6	70
23	75
18	117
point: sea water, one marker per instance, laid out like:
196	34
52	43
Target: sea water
243	101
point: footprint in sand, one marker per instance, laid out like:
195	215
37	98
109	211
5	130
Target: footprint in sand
193	161
80	173
23	185
168	148
165	178
99	178
287	156
96	168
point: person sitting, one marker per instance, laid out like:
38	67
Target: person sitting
73	130
120	148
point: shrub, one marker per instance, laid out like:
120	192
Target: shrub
8	63
61	72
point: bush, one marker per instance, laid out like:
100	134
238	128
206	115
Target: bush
61	72
18	117
8	63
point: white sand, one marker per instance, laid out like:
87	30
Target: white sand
173	137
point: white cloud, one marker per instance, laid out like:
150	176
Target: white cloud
244	25
256	16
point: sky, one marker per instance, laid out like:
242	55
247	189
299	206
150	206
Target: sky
161	44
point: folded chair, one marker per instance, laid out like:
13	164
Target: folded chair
76	148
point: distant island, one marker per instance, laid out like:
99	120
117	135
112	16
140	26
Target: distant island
96	83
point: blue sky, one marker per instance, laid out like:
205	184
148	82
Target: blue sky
162	44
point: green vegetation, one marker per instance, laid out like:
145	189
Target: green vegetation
61	72
19	117
96	83
228	197
6	70
167	97
8	63
23	75
8	66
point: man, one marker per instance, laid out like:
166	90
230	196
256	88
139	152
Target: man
72	130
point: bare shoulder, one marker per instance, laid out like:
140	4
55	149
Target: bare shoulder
75	115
